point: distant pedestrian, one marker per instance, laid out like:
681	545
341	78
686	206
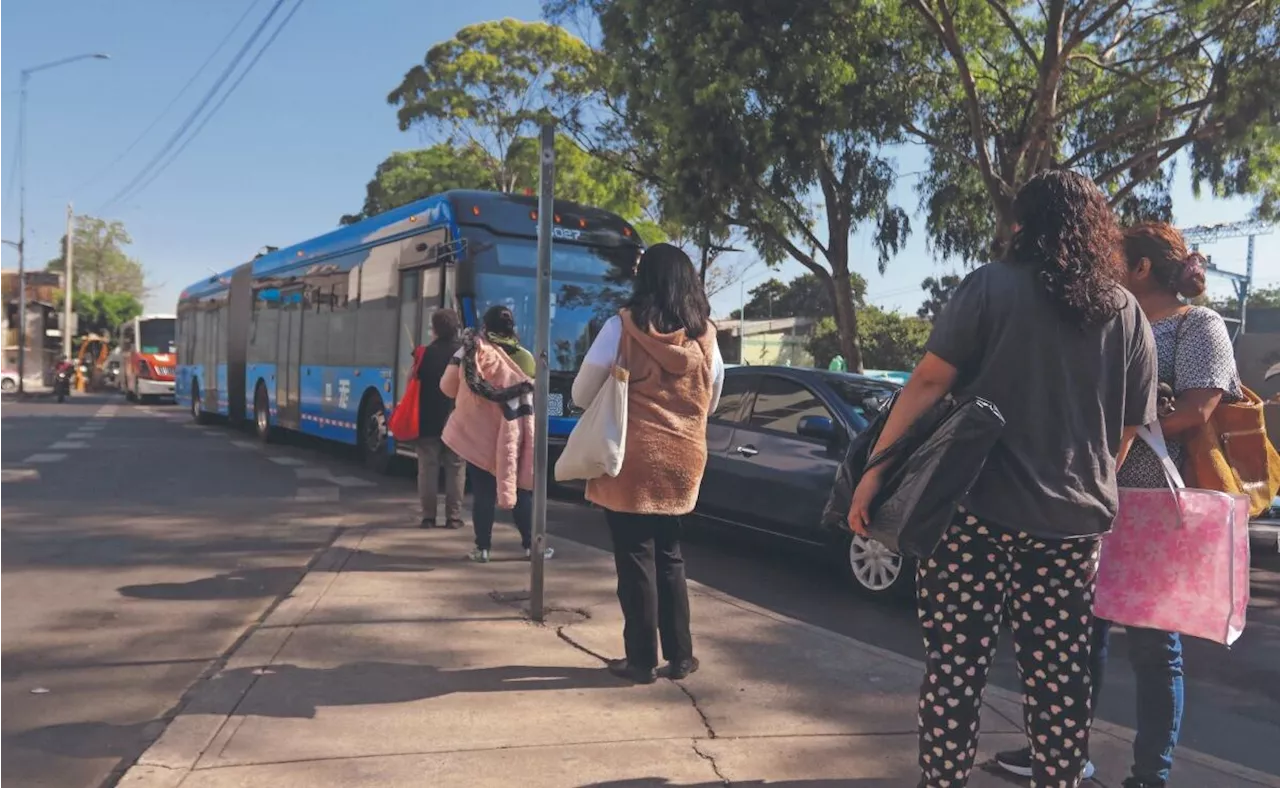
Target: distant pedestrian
667	342
1066	355
491	379
433	413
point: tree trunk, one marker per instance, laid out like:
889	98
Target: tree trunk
842	296
1003	237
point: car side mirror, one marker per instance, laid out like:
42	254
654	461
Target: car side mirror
817	427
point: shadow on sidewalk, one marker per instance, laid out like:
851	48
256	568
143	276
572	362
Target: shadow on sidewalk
291	691
274	580
241	584
659	782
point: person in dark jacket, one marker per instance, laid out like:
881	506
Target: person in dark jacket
433	411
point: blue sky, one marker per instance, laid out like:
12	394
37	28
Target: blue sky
292	149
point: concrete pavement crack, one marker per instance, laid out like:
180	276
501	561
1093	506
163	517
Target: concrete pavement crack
710	759
560	633
706	722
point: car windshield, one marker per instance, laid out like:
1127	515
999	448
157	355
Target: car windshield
156	336
588	286
862	399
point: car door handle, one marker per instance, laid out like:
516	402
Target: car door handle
747	451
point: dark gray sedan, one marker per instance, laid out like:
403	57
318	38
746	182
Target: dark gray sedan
773	446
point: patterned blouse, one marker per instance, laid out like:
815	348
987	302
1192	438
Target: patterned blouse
1199	356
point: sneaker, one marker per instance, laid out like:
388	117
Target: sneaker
680	669
453	525
1019	762
479	556
625	670
427	522
1015	761
546	553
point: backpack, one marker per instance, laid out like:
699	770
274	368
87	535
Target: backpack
1231	452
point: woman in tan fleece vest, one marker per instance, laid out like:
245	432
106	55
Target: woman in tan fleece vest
666	341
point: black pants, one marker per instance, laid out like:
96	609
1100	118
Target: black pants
977	576
651	587
484	505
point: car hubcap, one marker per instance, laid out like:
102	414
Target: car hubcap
874	566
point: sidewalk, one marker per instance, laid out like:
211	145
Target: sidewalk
395	662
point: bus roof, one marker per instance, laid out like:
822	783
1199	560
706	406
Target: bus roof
508	214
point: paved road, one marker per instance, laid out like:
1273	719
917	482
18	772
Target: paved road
136	559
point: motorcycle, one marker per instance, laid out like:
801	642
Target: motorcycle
62	383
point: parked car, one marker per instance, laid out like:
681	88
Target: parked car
773	446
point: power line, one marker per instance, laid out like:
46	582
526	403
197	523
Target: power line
267	45
199	71
204	102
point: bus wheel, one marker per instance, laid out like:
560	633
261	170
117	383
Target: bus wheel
262	414
197	408
372	439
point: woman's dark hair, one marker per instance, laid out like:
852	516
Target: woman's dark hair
668	294
445	324
499	320
1164	246
1067	233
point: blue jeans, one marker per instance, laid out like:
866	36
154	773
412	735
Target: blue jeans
1156	657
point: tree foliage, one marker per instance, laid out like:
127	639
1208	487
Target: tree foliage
741	112
804	296
939	293
100	263
103	312
492	85
406	176
889	340
1114	88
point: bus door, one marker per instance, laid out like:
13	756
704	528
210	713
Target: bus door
289	357
408	326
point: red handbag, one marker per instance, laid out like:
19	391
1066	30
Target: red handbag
403	423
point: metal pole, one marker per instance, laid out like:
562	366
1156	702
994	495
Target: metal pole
542	381
22	233
69	288
1248	282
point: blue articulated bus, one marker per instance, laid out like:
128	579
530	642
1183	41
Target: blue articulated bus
318	337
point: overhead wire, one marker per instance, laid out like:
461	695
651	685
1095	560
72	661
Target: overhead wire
172	102
266	45
195	114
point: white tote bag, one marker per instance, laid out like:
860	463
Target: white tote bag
598	441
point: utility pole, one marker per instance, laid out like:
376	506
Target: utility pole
22	203
69	288
542	380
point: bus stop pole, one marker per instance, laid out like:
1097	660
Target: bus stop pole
542	381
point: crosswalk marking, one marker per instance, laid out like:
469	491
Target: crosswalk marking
44	457
20	475
287	461
68	445
316	495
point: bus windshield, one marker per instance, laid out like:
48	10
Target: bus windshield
588	286
156	336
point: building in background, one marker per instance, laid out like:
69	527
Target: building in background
782	341
44	337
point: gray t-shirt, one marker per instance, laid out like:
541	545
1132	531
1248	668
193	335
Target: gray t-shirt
1066	393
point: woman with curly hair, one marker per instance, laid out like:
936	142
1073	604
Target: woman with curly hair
1065	353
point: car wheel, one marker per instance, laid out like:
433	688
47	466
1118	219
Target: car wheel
373	436
262	414
8	386
877	570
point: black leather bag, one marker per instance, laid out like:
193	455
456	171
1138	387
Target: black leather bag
929	470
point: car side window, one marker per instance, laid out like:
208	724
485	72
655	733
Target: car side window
781	403
737	390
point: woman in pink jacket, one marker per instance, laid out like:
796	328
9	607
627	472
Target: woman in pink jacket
491	380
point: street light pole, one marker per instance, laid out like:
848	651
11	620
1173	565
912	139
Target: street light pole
22	204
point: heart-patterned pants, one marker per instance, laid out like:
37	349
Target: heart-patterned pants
976	577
